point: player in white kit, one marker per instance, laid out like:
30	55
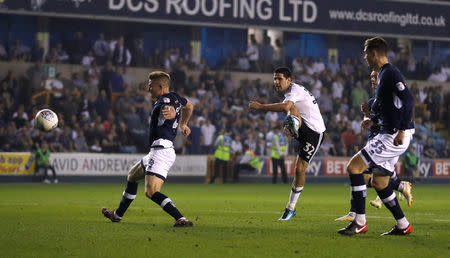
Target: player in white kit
304	122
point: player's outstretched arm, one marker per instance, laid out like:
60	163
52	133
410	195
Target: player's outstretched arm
285	107
185	116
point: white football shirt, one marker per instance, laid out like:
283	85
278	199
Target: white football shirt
306	105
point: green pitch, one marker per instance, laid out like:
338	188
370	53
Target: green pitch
229	221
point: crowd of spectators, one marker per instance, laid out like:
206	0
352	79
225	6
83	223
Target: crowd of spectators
102	110
259	56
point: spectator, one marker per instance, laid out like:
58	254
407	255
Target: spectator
37	54
418	146
428	150
107	74
267	51
57	86
327	148
318	65
19	51
208	130
25	142
194	139
91	90
423	69
253	55
248	162
138	52
101	49
77	47
88	59
347	68
410	163
10	84
278	54
79	142
359	95
125	139
117	84
127	78
243	62
3	52
110	143
65	139
156	59
121	54
43	162
337	88
102	105
236	145
178	74
445	69
447	150
348	136
333	65
20	118
437	76
37	76
57	54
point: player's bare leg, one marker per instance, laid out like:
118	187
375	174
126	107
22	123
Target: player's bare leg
297	188
153	186
135	174
355	169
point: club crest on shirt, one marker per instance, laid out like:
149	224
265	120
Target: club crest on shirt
400	86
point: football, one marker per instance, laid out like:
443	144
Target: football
46	120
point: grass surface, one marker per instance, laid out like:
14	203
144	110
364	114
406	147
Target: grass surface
229	221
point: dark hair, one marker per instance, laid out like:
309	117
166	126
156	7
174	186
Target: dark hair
376	43
159	75
285	71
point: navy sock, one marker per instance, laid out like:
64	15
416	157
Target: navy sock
395	182
390	201
359	192
127	198
352	207
166	204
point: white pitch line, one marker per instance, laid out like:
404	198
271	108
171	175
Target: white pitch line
418	215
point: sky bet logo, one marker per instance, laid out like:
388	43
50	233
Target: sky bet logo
442	168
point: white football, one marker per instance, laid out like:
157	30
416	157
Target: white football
46	120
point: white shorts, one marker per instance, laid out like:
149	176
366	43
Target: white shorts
158	162
381	152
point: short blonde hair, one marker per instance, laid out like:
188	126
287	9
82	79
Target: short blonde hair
160	75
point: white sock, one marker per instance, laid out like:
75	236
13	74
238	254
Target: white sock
402	223
293	197
360	219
